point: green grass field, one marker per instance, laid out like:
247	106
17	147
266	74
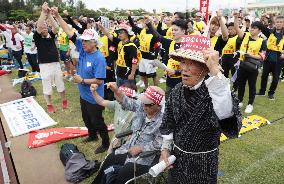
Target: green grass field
256	157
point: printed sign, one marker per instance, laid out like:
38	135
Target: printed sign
195	43
25	115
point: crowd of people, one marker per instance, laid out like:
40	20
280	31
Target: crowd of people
186	119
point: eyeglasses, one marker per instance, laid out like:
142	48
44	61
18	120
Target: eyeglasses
149	105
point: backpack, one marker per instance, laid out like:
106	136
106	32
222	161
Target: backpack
77	168
27	89
66	151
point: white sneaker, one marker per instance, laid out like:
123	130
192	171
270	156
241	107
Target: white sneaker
162	80
142	85
241	105
139	83
249	109
282	80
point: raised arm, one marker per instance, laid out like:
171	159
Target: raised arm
62	23
54	24
148	22
105	31
100	100
237	27
224	28
117	94
43	16
135	28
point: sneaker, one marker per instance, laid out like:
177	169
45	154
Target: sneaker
162	80
50	109
142	85
90	139
271	97
282	80
101	149
260	94
139	83
241	105
64	104
249	109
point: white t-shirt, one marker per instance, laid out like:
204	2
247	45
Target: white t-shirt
29	44
8	36
18	39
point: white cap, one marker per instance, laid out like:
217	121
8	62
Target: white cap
91	34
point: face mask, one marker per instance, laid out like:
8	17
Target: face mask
140	25
190	29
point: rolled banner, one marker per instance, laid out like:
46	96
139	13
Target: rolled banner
161	166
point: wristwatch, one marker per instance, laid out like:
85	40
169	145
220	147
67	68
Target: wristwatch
83	82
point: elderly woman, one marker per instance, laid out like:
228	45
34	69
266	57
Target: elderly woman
146	135
197	110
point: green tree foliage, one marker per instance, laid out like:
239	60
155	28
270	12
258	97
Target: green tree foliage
16	10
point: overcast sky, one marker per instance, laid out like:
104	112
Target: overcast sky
162	5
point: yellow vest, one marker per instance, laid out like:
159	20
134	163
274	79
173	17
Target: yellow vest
145	41
272	43
120	60
173	64
213	41
253	47
169	34
197	26
104	48
230	47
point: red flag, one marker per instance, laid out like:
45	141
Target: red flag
44	137
204	7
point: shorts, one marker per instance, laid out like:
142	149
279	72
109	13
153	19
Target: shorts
51	73
147	69
63	56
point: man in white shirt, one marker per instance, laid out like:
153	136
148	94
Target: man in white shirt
17	46
30	48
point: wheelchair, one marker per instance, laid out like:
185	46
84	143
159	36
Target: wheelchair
145	178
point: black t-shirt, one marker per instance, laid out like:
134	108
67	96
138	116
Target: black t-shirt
130	53
46	48
220	44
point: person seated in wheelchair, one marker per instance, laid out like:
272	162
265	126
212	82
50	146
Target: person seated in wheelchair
122	118
122	163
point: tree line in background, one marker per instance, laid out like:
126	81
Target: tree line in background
18	10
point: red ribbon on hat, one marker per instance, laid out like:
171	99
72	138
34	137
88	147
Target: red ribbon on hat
154	95
195	43
127	91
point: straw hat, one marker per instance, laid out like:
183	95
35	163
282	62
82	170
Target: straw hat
191	48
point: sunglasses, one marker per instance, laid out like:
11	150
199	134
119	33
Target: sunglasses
149	105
